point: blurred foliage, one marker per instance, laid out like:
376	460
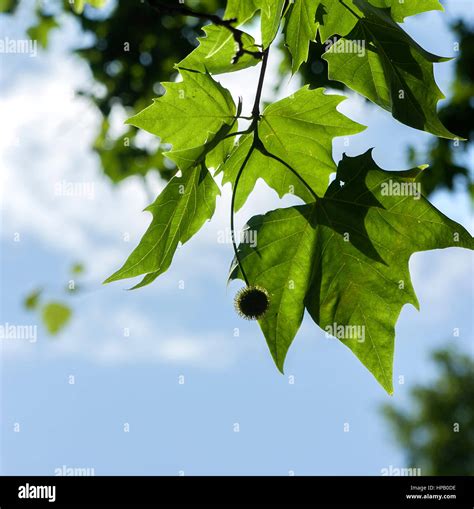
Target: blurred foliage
134	49
55	314
77	269
78	5
458	116
32	300
427	431
40	31
8	6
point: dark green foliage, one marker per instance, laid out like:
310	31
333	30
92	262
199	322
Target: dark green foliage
448	165
436	430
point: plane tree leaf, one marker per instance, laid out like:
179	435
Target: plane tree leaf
299	130
216	52
275	174
195	116
300	30
339	17
271	13
190	113
186	203
401	10
347	257
241	11
179	212
383	63
281	263
334	18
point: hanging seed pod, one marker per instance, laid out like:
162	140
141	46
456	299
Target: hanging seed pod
252	302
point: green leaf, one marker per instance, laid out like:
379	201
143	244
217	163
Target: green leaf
77	269
401	10
179	212
191	112
300	30
390	68
280	263
380	61
242	11
334	18
55	317
355	243
271	13
275	174
194	116
339	17
299	130
217	50
32	300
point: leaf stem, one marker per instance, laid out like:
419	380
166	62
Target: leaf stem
255	143
232	213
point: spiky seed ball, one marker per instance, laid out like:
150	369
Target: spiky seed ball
252	302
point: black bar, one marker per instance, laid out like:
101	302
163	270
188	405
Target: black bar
241	491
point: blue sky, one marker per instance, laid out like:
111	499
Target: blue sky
185	332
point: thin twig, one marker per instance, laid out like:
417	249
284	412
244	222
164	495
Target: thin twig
164	7
258	97
232	213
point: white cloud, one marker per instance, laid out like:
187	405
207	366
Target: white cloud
128	336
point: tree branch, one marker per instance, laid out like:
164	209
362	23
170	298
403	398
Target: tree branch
258	96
